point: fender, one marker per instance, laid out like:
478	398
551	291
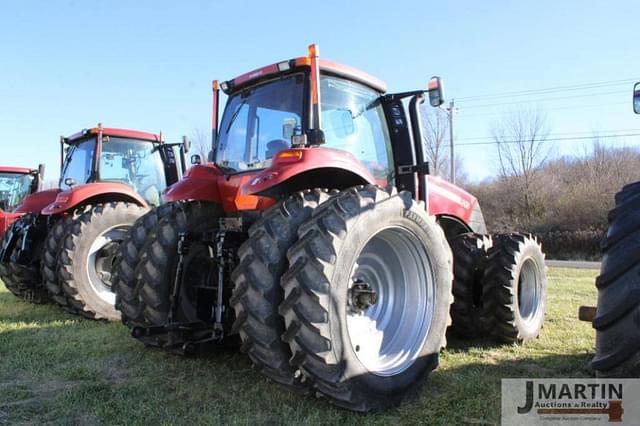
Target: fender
37	201
301	168
200	182
209	183
6	220
99	191
449	200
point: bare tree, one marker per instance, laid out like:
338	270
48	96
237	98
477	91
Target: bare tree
435	131
522	150
201	143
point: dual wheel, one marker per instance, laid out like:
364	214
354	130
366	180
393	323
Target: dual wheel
500	287
345	294
71	264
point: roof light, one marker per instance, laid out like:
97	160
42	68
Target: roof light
284	66
224	86
314	50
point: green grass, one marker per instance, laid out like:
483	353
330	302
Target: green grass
59	369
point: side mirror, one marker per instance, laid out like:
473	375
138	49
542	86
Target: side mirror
436	92
636	98
195	159
70	182
41	171
186	144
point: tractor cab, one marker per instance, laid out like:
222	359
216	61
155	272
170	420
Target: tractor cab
139	160
16	183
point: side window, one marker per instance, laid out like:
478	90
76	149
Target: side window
273	129
353	121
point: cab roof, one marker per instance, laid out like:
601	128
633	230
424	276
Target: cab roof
17	170
326	66
112	131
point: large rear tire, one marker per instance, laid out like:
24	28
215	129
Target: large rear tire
618	312
468	318
85	260
23	281
126	281
515	282
367	298
50	253
158	268
257	291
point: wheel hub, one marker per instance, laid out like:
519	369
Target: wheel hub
361	296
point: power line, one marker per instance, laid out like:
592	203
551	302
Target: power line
550	139
550	99
572	107
555	89
593	133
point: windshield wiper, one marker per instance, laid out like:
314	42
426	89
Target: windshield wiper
235	115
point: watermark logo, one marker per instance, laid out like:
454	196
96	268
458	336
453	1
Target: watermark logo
570	401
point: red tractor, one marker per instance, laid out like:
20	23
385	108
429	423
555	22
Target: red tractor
318	237
63	250
617	316
16	183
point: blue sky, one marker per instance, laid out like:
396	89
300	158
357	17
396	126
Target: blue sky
65	65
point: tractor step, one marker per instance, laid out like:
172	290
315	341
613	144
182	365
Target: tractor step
586	313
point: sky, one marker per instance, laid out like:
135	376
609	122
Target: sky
148	65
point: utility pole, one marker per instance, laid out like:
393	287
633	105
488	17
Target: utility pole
450	110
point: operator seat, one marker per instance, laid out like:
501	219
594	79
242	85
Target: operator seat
274	147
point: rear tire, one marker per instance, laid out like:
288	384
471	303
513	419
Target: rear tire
618	312
515	282
23	281
257	292
126	282
49	265
367	237
158	267
85	260
468	319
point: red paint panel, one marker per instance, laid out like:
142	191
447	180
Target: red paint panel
115	132
325	65
206	182
66	200
6	220
38	201
286	165
448	199
19	170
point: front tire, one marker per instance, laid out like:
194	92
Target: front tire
23	281
361	351
85	260
515	283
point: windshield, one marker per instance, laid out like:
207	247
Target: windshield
136	163
13	188
353	120
259	122
78	162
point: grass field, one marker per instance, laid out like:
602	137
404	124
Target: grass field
58	369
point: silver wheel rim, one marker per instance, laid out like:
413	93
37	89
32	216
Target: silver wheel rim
529	291
98	281
388	336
